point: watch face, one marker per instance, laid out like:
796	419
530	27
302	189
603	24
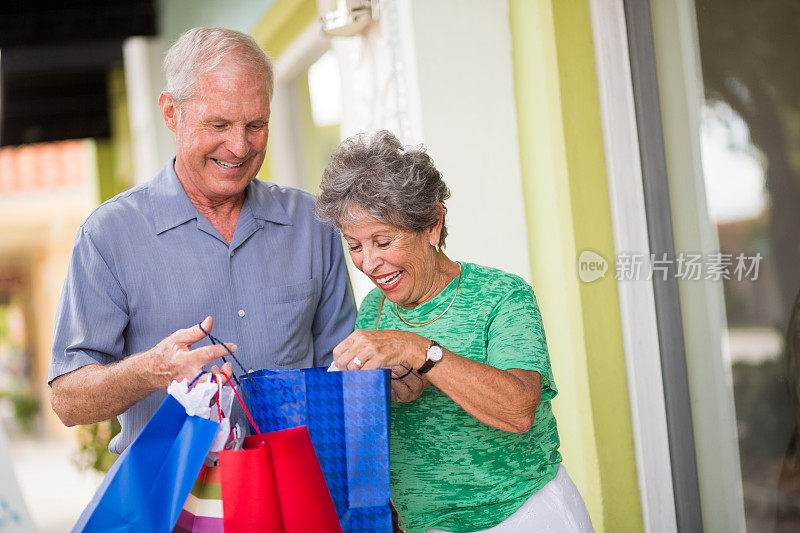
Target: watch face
435	353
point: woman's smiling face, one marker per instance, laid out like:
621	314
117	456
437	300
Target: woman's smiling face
401	263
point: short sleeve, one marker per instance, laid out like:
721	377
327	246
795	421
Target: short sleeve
516	339
92	312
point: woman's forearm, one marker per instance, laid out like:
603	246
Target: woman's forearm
504	399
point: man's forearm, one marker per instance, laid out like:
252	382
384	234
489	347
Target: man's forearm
96	392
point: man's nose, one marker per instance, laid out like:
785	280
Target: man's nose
237	143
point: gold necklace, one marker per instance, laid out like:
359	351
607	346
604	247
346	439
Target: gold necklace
420	324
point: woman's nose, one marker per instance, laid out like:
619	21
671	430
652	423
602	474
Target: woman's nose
370	260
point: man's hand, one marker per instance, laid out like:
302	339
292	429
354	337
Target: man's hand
174	359
98	392
410	387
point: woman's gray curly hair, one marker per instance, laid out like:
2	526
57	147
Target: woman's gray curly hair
379	177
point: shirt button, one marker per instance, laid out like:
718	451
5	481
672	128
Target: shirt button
233	252
241	313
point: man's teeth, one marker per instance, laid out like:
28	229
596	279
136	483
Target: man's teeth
389	279
223	164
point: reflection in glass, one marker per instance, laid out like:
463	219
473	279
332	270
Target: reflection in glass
751	159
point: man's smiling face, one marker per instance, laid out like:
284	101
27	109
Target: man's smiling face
221	133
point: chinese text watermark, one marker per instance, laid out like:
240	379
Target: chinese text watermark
630	266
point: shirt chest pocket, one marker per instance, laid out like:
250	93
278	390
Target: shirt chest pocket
290	310
281	294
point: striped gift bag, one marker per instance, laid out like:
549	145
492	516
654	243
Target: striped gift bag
202	512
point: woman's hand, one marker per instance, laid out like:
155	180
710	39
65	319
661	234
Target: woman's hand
407	385
365	350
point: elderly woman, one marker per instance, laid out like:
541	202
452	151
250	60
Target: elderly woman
478	449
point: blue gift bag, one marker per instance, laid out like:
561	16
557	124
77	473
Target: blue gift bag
149	483
347	414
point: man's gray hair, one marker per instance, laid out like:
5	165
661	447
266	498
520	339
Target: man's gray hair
203	50
380	178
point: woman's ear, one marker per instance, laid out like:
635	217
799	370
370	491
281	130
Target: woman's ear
435	231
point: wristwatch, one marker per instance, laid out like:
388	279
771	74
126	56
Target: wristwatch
434	356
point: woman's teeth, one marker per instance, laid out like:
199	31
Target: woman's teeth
223	164
389	279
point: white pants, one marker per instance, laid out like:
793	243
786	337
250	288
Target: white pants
555	508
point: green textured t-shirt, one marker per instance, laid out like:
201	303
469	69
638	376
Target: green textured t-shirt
448	470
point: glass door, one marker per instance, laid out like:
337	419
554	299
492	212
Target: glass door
750	142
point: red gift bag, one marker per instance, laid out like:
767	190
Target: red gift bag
276	484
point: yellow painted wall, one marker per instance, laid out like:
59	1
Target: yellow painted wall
567	207
275	31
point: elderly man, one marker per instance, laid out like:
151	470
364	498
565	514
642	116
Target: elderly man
203	239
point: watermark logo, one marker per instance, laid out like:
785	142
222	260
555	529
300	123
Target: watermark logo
591	266
631	266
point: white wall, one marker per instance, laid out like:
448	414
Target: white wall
465	82
440	73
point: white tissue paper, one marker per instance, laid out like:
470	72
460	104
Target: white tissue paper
334	368
197	402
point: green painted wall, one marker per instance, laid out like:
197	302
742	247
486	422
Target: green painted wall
113	155
566	198
177	16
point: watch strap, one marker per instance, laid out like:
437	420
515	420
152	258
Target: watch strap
428	364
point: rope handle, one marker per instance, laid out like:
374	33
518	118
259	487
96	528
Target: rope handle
241	402
215	340
196	378
219	387
219	396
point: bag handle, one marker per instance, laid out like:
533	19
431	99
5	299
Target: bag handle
215	340
219	396
246	410
219	387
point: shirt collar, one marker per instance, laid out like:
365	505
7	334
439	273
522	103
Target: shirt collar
171	206
265	205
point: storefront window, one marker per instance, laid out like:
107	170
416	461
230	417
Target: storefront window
751	161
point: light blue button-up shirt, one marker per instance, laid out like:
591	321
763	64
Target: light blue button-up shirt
146	263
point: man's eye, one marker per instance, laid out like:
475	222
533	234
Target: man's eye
384	244
255	127
218	127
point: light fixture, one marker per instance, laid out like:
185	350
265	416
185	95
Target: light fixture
345	18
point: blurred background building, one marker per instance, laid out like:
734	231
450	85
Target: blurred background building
661	129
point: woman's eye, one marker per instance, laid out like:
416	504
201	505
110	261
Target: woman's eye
355	247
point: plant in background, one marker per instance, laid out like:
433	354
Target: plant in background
25	407
93	442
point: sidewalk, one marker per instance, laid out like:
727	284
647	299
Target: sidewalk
55	490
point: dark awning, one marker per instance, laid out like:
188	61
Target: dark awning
54	57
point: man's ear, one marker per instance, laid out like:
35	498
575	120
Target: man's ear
169	110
